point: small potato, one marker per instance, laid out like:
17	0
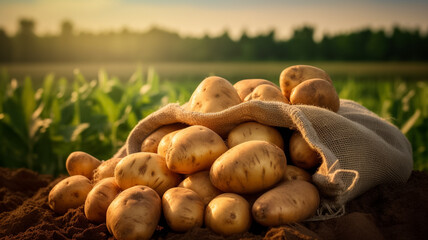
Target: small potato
150	144
291	201
164	143
254	131
105	169
301	154
193	149
145	169
227	214
81	163
246	86
294	75
69	193
183	209
316	92
214	94
201	184
266	93
134	213
249	167
296	173
99	198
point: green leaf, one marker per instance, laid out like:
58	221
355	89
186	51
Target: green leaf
28	101
412	121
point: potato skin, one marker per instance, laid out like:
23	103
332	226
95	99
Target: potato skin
248	168
105	169
214	94
301	154
99	198
246	86
227	214
291	201
81	163
266	93
316	92
147	169
164	143
248	131
69	193
150	143
294	75
201	184
183	209
296	173
193	149
134	213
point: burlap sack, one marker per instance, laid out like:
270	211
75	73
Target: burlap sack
359	149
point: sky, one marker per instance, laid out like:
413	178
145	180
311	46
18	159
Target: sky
199	17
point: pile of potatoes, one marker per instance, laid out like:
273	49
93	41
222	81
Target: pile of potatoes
192	177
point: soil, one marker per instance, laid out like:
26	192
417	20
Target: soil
384	212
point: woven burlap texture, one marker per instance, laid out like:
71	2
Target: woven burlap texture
359	150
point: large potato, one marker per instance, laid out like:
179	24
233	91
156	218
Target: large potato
246	86
99	198
301	154
249	167
294	75
183	209
296	173
316	92
105	169
213	94
227	214
193	149
201	184
81	163
134	213
164	143
69	193
248	131
145	169
266	93
291	201
150	143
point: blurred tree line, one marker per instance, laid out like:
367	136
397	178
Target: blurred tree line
161	45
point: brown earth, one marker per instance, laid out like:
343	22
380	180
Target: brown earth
385	212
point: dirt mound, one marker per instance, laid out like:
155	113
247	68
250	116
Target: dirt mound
385	212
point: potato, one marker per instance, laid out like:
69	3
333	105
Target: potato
145	169
183	209
193	149
294	75
69	193
81	163
301	154
227	214
164	143
150	143
99	198
246	86
296	173
134	213
248	131
316	92
291	201
105	169
201	184
249	167
213	94
266	93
